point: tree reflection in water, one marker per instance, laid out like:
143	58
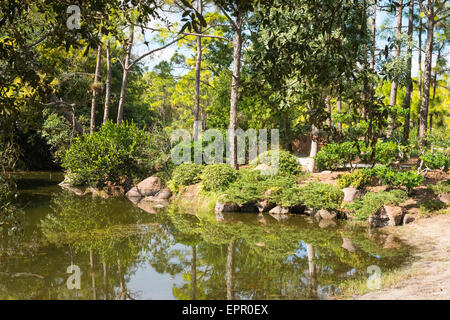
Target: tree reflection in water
236	257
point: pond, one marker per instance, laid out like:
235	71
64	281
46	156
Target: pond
123	252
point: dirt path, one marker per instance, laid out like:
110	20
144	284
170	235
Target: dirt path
428	276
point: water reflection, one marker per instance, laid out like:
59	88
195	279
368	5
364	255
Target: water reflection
126	253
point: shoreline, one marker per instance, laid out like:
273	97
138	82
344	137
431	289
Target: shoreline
425	277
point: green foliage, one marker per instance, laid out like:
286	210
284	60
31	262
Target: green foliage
441	187
217	177
184	175
436	160
287	163
385	152
334	155
432	207
408	179
321	196
358	179
114	154
248	187
371	202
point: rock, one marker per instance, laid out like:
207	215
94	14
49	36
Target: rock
386	216
326	223
326	215
164	194
348	245
248	208
67	187
279	216
98	193
391	242
326	172
260	244
279	210
350	194
150	186
115	191
219	216
408	218
225	207
264	205
134	193
444	197
309	211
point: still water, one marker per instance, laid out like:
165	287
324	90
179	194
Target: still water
124	252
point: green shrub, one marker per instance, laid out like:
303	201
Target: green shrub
436	160
217	177
358	179
371	202
385	152
432	207
248	187
318	195
283	190
287	163
185	174
114	154
408	179
334	156
440	188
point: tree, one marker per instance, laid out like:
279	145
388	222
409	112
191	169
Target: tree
409	83
435	11
394	84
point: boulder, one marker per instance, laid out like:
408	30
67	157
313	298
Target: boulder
350	194
386	216
77	191
225	207
164	194
150	186
264	205
444	197
115	191
263	167
326	215
134	193
279	210
408	218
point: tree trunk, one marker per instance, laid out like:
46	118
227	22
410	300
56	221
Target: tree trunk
338	110
419	58
125	77
235	81
95	88
372	49
314	147
409	84
108	82
423	115
394	84
328	109
198	66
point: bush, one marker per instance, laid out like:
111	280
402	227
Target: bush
432	207
248	187
358	179
408	179
318	195
385	152
371	202
436	160
184	175
283	190
114	154
287	163
334	156
441	187
217	177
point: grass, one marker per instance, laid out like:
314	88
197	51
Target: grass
389	279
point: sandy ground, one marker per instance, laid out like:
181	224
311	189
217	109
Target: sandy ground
429	272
